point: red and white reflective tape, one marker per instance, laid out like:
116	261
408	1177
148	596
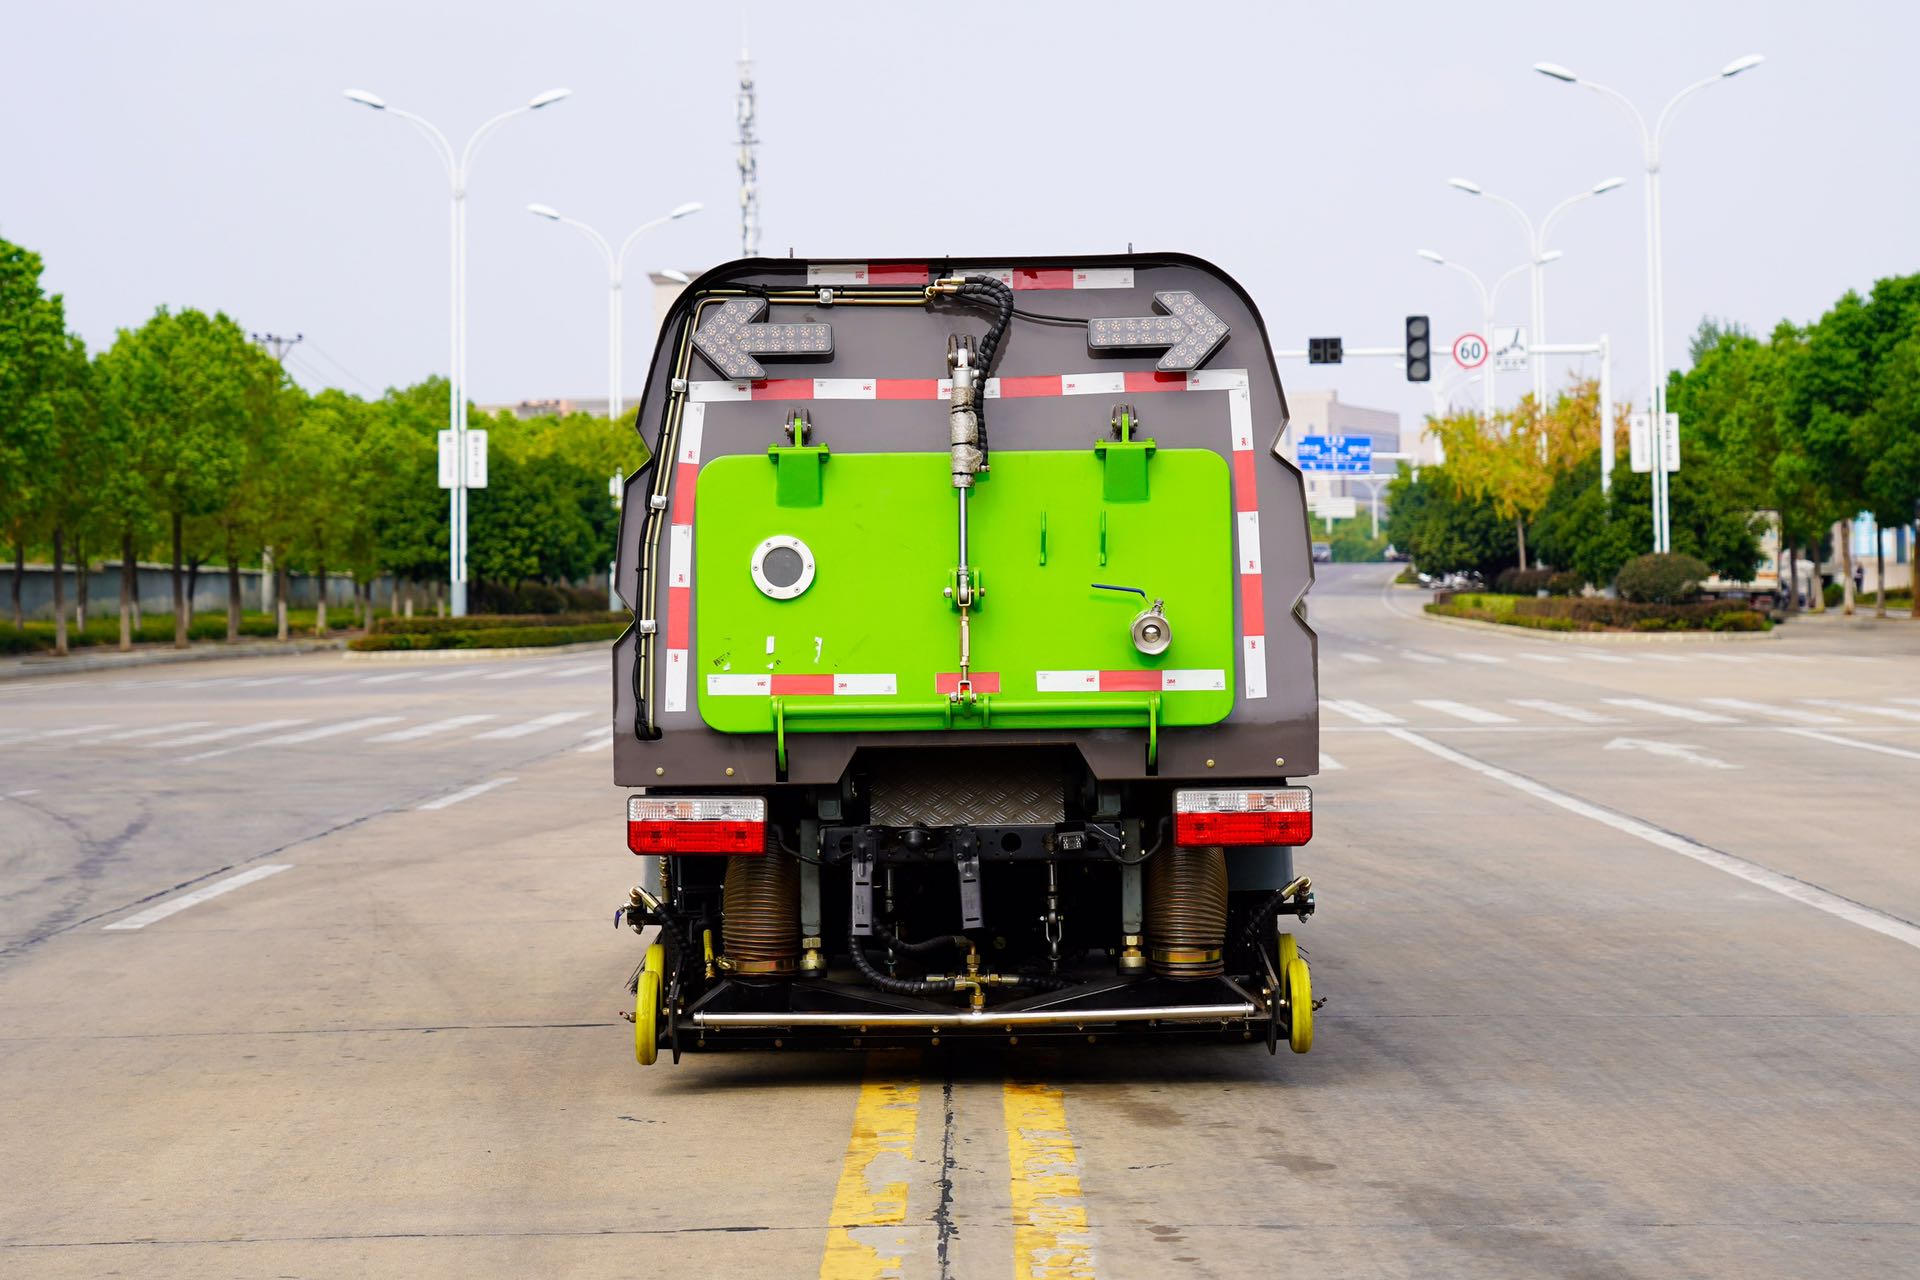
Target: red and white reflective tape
686	476
1169	681
916	274
1243	457
747	686
1053	384
1246	530
981	682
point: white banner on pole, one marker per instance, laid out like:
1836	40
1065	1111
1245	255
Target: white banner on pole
476	459
1670	441
1509	349
449	461
1333	507
1639	443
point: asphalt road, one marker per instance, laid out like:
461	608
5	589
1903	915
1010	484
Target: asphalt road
1618	945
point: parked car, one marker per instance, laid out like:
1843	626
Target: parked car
1323	553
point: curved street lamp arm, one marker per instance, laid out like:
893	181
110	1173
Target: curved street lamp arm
438	140
1546	223
1508	274
637	232
1486	303
1666	112
1646	137
600	242
479	135
1533	245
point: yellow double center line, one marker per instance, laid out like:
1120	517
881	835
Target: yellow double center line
870	1235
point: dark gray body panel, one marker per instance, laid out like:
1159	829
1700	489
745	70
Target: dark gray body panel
1264	738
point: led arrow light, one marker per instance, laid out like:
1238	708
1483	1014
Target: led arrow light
729	338
1189	331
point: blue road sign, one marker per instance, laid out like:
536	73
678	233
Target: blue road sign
1336	453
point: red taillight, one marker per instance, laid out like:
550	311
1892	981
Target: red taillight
1279	815
703	824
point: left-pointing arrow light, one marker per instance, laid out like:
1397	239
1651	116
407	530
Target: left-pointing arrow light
729	338
1189	331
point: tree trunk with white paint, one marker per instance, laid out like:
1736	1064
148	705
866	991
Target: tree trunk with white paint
233	591
1844	531
59	594
127	571
82	571
179	590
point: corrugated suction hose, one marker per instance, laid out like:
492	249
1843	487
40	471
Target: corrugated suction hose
1187	912
760	914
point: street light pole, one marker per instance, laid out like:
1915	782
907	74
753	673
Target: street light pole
616	270
1536	250
457	166
1487	299
1650	140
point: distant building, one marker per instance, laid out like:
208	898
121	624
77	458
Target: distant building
1322	413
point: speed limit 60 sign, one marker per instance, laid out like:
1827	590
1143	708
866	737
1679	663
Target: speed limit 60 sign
1469	351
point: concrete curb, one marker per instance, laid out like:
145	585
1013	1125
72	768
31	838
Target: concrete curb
1607	637
468	655
205	651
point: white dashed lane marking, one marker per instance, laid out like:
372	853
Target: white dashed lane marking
141	919
1778	713
1895	713
1565	712
477	789
1671	711
531	726
217	735
1461	711
420	731
1751	872
1837	740
1360	712
148	732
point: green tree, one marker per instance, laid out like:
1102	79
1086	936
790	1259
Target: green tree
72	468
33	344
183	382
1444	530
1892	437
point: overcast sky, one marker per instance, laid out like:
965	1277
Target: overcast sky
202	155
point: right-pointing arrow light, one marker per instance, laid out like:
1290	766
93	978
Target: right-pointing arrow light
1189	331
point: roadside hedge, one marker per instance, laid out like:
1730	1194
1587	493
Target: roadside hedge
103	628
502	637
1528	582
1595	613
490	622
534	597
1661	578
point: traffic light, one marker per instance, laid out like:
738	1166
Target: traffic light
1323	351
1419	349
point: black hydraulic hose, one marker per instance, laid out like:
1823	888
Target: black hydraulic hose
960	940
986	289
1045	982
880	981
1251	935
913	987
